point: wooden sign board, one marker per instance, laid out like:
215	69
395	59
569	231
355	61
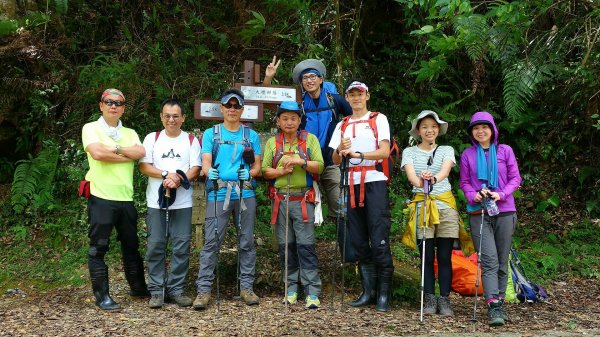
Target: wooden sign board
268	94
211	110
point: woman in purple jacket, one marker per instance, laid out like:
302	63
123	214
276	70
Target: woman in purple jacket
492	164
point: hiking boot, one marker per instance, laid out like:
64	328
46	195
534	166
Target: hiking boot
291	298
156	301
495	313
384	283
312	302
249	297
443	306
181	300
503	311
134	273
99	278
368	276
201	301
430	305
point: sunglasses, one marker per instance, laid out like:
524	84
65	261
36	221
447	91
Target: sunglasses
229	105
110	102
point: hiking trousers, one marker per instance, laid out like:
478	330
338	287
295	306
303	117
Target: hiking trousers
495	249
329	182
103	216
369	226
180	235
247	250
302	255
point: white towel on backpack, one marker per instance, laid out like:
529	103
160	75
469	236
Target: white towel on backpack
318	209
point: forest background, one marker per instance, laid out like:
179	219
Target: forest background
535	65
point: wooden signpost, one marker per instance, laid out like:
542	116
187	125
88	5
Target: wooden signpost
256	97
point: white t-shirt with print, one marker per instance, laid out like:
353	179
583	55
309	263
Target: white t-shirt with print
363	140
170	154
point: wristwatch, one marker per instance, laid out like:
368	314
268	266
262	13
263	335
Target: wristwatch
118	149
305	164
164	174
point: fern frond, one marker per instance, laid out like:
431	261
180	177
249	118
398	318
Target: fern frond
46	163
24	185
520	81
473	30
502	46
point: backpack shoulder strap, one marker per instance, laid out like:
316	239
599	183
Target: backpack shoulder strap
333	106
216	141
246	135
302	147
345	121
373	125
156	134
278	149
191	137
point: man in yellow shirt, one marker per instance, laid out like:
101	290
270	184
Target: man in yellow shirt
111	152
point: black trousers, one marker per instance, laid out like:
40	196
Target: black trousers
369	226
103	216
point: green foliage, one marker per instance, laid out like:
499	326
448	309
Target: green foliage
520	81
33	180
61	6
555	256
253	27
8	27
553	201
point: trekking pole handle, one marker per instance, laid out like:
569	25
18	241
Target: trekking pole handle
425	186
215	181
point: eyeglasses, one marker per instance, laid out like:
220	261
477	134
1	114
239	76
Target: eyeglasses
110	102
229	105
173	117
311	77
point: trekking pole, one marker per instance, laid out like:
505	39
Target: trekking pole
341	200
346	186
215	190
423	240
478	273
287	217
168	196
239	230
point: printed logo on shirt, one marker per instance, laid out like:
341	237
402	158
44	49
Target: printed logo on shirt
171	154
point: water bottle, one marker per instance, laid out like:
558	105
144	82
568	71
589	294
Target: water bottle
490	204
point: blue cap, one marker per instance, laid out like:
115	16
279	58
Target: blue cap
290	106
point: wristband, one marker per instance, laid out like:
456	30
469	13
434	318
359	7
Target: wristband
362	157
434	180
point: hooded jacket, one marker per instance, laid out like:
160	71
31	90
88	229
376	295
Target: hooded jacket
509	178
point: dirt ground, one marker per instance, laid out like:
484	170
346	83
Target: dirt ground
70	311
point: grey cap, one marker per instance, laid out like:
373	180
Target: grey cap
308	64
233	93
425	113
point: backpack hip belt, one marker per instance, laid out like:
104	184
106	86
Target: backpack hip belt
363	173
278	197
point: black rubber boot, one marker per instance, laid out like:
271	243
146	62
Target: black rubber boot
99	278
384	284
368	276
136	278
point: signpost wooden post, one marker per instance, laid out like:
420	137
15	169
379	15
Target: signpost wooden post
256	97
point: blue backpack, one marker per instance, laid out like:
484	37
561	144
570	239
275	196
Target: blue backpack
525	290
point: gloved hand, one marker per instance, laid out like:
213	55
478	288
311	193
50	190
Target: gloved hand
213	174
243	174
